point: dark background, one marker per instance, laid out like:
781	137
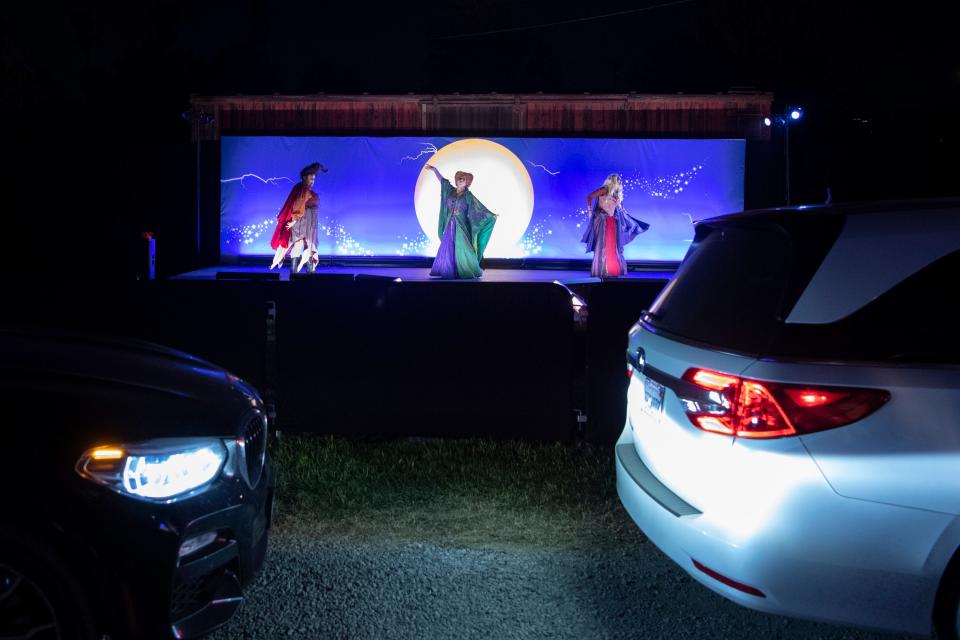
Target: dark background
97	150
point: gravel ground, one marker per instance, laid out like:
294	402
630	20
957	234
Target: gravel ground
322	588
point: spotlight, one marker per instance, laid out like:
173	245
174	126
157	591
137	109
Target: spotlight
796	113
201	116
767	122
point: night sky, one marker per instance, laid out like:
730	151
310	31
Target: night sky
92	96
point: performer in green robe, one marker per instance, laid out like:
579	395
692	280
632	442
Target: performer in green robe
465	228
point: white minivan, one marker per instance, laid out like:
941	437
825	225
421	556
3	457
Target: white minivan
793	415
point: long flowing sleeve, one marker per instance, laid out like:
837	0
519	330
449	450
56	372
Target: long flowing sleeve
445	189
630	227
589	237
481	224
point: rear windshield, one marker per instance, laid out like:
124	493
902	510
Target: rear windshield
742	276
912	322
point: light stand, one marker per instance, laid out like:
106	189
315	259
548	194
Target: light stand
198	119
785	120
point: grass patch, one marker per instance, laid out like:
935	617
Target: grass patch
451	492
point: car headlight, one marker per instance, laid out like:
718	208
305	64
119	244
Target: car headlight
161	470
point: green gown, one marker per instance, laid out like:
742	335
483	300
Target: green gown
464	229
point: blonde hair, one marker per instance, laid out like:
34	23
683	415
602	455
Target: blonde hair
614	186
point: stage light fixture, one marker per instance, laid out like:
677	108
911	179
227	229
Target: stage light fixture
796	113
767	122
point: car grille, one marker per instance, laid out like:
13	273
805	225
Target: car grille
255	447
190	597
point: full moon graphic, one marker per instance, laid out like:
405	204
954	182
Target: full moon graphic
500	182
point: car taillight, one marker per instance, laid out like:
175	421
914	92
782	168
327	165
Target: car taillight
758	409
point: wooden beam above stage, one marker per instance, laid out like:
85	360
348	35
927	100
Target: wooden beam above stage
736	115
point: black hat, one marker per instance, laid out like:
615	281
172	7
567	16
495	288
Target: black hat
312	169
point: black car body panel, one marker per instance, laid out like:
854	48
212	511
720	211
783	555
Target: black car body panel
64	395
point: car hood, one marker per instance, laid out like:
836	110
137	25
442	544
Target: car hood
122	361
119	389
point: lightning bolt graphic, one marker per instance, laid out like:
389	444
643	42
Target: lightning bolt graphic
540	166
428	149
272	181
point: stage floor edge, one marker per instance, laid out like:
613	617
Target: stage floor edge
411	274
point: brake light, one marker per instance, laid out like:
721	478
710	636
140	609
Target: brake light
758	415
812	397
712	379
758	409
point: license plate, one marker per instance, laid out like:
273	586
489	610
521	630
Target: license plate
652	397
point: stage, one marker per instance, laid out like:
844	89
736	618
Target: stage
377	346
370	345
413	274
368	350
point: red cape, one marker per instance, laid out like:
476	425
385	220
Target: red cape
281	235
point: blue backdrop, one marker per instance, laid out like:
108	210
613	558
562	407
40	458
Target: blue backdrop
377	200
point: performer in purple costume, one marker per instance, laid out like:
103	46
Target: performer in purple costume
609	229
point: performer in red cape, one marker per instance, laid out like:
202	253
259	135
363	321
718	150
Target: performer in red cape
296	230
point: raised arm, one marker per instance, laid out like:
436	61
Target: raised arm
601	191
436	172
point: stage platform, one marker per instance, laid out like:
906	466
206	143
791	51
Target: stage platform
394	351
370	351
411	274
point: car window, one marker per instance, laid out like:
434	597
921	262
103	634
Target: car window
913	322
741	277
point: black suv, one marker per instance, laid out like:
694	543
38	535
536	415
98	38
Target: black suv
135	485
